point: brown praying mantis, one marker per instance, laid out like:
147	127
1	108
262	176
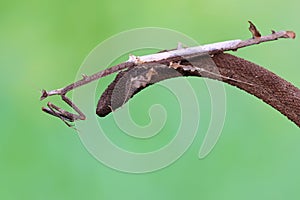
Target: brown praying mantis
140	72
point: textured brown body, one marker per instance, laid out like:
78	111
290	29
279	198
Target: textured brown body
233	70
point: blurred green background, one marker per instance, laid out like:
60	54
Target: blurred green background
42	45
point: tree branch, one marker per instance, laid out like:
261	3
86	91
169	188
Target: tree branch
233	70
231	45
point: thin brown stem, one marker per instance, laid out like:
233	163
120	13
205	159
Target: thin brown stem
232	45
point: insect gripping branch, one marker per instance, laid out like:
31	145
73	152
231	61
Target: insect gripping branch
138	73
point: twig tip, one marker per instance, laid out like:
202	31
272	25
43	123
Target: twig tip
291	34
255	33
44	95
